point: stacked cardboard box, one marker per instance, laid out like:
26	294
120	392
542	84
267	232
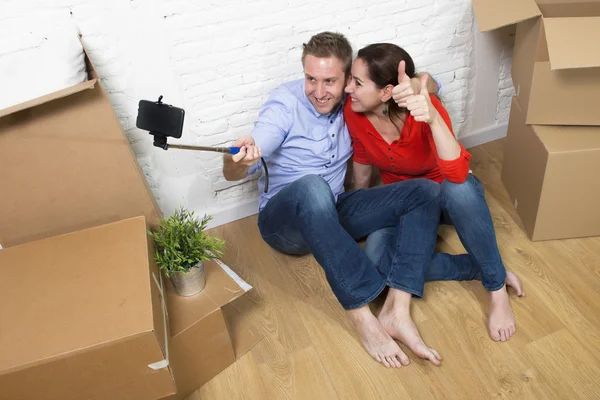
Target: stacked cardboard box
552	151
85	313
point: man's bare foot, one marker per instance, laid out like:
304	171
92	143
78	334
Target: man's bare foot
501	324
514	282
375	339
395	319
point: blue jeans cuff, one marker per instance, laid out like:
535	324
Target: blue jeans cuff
417	293
366	301
495	288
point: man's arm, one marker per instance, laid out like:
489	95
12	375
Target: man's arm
409	86
235	167
432	85
362	175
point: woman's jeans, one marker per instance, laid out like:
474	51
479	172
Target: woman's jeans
464	206
305	217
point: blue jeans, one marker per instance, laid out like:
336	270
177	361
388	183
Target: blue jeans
304	217
464	206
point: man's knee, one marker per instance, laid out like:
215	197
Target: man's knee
314	194
464	192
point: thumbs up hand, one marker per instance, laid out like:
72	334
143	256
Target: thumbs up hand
420	106
405	88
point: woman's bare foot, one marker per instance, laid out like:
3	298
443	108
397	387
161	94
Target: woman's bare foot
395	319
502	323
375	339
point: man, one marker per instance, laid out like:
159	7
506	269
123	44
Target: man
301	132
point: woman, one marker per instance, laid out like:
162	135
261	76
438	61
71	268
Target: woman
409	137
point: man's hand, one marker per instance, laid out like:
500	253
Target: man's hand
420	106
235	167
249	153
405	87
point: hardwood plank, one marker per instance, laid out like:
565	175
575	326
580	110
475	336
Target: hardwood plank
300	375
566	367
241	381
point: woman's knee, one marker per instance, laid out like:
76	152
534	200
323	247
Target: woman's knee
466	192
378	243
427	188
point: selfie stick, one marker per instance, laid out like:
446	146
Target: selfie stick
226	150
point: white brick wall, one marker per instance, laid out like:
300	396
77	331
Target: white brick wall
220	59
506	89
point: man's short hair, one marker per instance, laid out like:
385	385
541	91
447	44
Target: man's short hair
329	44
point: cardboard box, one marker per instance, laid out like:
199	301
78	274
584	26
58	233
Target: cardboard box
83	317
66	165
555	70
206	335
550	173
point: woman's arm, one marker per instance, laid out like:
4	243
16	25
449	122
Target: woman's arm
362	175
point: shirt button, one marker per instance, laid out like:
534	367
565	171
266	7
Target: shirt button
333	135
389	148
331	121
391	158
393	166
332	156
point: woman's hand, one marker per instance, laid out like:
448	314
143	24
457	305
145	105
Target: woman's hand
420	106
405	87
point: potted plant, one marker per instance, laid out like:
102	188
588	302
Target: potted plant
182	246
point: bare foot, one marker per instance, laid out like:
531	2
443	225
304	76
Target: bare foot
514	282
375	339
399	325
501	324
395	319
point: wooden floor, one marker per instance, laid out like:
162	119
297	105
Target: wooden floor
310	352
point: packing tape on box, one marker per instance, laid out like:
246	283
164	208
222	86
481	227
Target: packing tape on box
241	283
164	363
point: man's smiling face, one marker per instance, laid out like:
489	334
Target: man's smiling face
324	82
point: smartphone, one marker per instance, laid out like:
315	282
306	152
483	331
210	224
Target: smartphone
160	118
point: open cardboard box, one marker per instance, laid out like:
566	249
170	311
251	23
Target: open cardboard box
66	166
550	173
556	68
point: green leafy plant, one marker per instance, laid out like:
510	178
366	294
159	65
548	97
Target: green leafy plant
181	242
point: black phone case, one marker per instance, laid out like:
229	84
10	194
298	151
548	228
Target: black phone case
160	118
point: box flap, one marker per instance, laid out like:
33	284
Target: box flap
66	165
72	292
571	42
579	86
49	97
566	139
220	289
569	8
494	14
